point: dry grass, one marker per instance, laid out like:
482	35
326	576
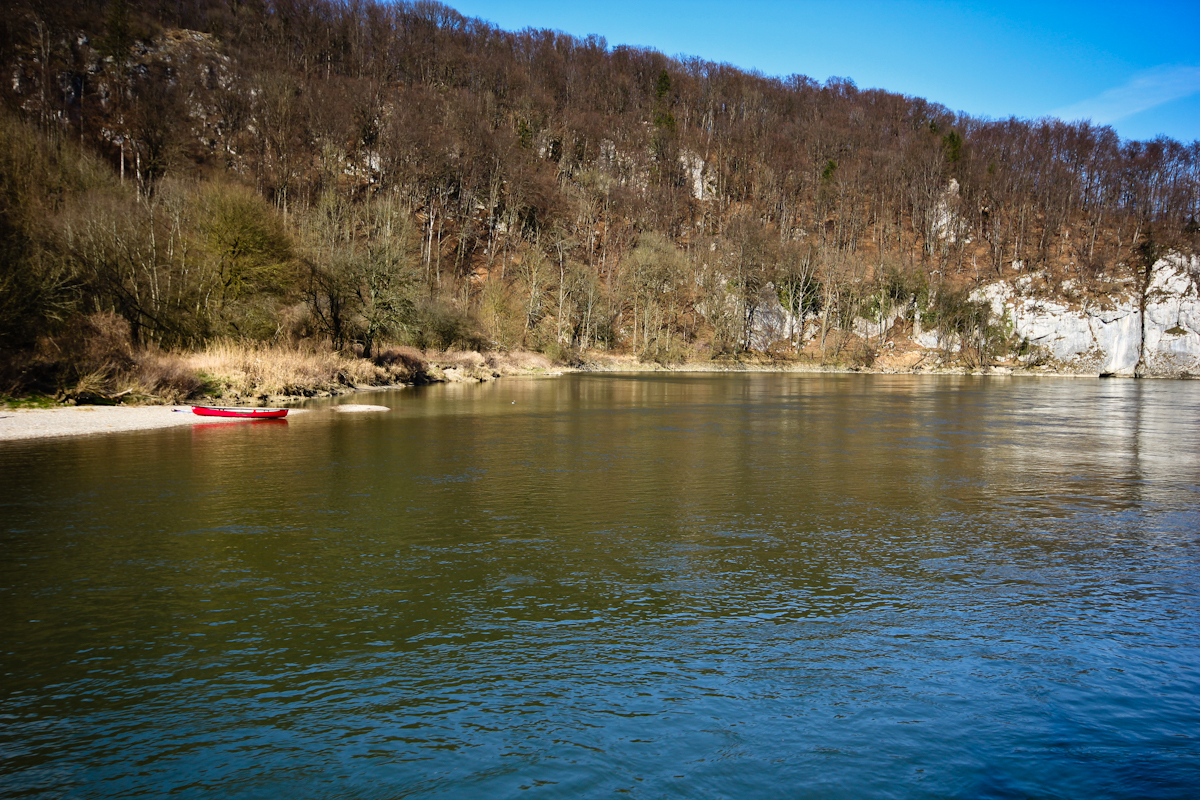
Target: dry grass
462	359
93	362
520	361
473	365
402	360
234	370
248	369
166	377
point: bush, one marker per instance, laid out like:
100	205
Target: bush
955	312
401	363
969	321
92	352
167	377
862	354
897	287
39	174
441	326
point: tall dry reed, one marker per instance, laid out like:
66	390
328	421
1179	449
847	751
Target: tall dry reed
253	369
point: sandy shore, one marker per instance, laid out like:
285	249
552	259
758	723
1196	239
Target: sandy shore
37	423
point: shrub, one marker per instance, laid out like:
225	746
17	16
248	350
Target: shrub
401	363
167	377
92	351
441	326
897	287
969	321
39	289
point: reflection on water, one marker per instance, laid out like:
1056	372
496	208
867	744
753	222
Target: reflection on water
680	586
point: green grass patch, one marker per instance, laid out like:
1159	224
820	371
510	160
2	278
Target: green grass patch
37	401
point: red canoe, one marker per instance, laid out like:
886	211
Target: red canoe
240	413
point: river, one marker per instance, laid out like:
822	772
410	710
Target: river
672	586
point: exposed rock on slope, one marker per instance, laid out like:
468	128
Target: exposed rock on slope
1114	337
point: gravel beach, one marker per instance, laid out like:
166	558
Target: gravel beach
36	423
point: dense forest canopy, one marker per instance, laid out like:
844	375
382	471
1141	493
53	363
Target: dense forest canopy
366	172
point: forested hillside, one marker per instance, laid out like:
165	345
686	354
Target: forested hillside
365	173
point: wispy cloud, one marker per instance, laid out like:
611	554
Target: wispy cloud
1143	91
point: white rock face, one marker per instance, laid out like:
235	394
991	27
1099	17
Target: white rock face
703	185
1094	339
930	340
1172	343
1110	339
874	328
771	321
945	222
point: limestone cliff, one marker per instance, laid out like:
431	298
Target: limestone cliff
1155	333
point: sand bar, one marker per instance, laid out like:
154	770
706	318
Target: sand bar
37	423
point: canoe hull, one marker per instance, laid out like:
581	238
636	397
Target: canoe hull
240	413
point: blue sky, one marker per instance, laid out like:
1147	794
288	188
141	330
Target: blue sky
1134	66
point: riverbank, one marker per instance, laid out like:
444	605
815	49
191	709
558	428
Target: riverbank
908	363
43	423
103	368
25	423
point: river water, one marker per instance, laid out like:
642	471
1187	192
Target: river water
692	586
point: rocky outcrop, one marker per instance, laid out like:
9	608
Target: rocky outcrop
1157	334
1134	330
